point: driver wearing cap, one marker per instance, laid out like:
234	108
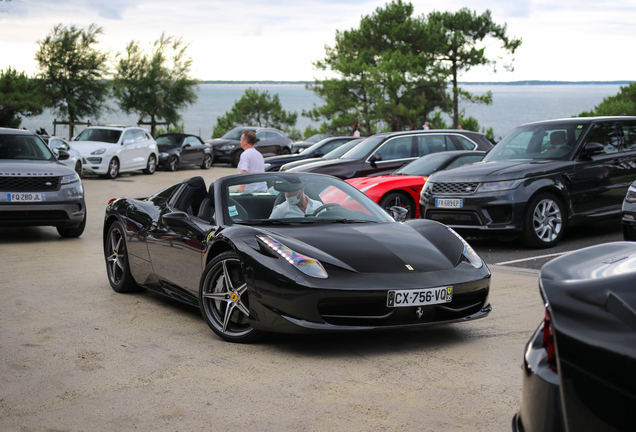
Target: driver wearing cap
296	204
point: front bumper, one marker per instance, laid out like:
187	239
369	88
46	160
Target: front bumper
497	213
541	403
62	208
225	155
96	164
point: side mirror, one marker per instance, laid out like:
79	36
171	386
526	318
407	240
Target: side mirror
177	219
375	158
61	154
592	149
318	153
398	213
186	145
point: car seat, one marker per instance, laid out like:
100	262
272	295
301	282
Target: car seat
206	209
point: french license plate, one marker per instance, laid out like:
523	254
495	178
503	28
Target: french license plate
449	202
26	197
419	297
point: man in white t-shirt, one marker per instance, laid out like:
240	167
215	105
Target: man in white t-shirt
296	204
251	161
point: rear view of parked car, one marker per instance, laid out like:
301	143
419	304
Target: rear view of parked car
36	189
111	150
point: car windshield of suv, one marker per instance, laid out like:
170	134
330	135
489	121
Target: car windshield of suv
234	134
110	136
317	137
24	147
425	166
167	142
297	199
555	141
363	149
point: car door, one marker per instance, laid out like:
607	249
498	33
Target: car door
600	182
191	152
391	155
265	144
128	151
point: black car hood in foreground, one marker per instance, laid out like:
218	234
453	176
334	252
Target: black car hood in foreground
498	171
591	296
388	247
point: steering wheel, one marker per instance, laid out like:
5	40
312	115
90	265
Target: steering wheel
324	207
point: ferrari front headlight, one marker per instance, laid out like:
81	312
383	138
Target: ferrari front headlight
305	264
469	253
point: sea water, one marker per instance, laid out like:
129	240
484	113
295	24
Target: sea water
512	105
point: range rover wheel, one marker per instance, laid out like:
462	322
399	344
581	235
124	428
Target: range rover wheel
544	221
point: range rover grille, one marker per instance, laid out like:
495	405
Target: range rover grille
455	188
29	184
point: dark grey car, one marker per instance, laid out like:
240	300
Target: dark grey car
270	142
36	189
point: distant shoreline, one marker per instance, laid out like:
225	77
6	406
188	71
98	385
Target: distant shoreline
514	83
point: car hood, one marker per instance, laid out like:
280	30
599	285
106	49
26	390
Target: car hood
498	171
22	168
376	247
87	147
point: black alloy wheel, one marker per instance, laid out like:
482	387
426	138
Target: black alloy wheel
117	265
78	168
224	299
543	225
173	163
113	169
400	200
207	162
285	151
152	165
73	232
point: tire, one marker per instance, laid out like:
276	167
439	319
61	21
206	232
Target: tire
73	232
285	151
113	169
152	165
117	264
173	163
236	158
543	224
224	299
207	162
79	169
398	199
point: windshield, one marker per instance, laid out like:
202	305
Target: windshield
535	142
27	147
317	137
363	150
425	166
343	149
169	141
234	134
102	135
288	198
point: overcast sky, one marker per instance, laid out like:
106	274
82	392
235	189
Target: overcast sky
564	40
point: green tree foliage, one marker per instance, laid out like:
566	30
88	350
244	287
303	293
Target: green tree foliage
155	85
623	103
386	74
19	96
460	35
255	109
73	71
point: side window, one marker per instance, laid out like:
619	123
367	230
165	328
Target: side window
332	146
464	143
465	160
191	140
396	148
262	135
128	136
605	133
139	135
273	135
429	143
628	129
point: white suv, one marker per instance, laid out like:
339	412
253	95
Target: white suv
109	150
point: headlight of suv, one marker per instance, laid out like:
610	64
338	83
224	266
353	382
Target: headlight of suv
500	186
70	178
163	155
228	147
99	151
305	264
469	253
631	195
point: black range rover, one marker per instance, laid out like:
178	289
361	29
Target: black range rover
539	179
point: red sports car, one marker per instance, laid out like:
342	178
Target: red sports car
403	187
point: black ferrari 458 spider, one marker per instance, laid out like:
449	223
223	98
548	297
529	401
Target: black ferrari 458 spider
291	253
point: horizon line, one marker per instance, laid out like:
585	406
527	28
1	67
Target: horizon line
521	82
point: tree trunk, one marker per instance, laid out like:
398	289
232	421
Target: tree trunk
455	97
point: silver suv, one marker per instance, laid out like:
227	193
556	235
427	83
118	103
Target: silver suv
110	150
36	189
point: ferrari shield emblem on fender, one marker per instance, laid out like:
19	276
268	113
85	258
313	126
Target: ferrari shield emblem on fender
408	266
